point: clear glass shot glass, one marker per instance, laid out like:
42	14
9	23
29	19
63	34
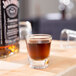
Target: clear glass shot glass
68	38
38	46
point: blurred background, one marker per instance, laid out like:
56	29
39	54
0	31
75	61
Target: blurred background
49	16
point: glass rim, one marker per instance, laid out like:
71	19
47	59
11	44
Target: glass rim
41	36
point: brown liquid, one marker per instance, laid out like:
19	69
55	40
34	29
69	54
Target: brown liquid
8	50
39	51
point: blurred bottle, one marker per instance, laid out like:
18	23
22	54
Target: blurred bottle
65	8
62	9
9	29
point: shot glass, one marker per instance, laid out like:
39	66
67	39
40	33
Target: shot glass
38	46
68	38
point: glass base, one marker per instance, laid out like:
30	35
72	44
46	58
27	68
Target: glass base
39	64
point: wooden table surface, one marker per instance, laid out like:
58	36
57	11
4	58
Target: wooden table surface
60	60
